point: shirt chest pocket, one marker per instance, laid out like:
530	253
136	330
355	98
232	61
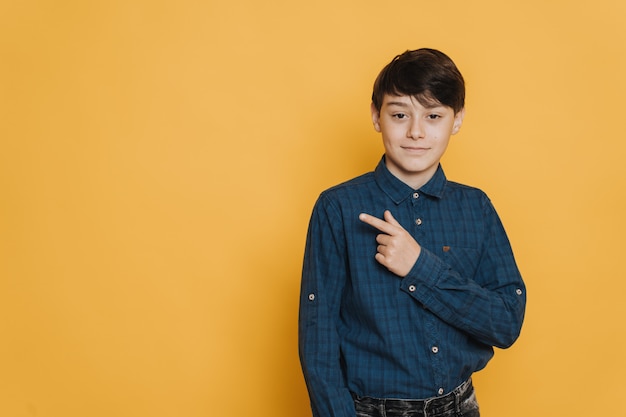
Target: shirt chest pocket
463	260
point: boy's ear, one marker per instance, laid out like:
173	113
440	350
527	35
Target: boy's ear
458	121
375	117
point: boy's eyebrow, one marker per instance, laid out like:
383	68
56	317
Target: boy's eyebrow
397	103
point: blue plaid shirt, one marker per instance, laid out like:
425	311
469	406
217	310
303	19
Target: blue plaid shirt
364	329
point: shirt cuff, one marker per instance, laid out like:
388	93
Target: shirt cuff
426	273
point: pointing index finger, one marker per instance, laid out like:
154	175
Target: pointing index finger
379	224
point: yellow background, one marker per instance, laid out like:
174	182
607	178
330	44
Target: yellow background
159	161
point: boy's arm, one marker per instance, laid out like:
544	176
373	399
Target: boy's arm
323	278
489	305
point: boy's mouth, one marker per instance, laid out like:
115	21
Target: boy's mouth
414	149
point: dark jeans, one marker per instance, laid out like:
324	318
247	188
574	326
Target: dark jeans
459	403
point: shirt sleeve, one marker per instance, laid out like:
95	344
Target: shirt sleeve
488	303
323	279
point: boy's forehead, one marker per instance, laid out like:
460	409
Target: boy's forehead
403	100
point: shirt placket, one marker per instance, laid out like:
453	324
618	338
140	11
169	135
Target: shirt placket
418	229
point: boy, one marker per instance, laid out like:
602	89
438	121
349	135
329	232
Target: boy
408	279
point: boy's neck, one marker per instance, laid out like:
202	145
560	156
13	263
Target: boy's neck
413	180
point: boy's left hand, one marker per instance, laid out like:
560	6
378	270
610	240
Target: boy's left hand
397	250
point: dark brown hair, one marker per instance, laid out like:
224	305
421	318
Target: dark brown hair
426	74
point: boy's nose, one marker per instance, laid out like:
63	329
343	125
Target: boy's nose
416	130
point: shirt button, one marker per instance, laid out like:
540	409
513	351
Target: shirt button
440	391
435	349
411	288
518	291
416	195
311	297
418	222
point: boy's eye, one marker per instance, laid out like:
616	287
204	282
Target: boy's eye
433	116
400	116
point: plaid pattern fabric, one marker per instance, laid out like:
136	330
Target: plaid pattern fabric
364	330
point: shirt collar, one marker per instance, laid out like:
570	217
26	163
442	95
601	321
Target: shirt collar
398	190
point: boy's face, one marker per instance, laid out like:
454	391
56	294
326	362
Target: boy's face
415	137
